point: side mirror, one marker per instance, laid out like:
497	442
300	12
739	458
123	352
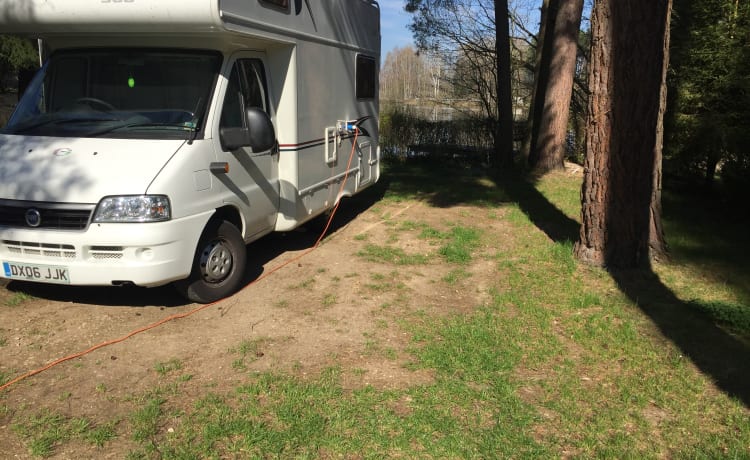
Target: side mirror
259	134
234	138
262	135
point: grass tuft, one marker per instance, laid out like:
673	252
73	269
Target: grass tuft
391	255
461	242
17	299
164	368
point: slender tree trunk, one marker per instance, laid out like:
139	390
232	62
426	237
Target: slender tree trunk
627	64
504	127
657	242
548	144
592	245
533	119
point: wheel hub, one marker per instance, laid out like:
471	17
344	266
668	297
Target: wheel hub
216	262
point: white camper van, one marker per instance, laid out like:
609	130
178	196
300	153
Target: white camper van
161	136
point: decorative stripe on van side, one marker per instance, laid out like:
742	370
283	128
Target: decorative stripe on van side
320	142
309	144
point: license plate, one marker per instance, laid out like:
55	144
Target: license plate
32	272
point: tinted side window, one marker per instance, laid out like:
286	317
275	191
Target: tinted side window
366	77
246	88
254	83
231	113
282	4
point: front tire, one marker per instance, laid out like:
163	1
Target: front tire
218	264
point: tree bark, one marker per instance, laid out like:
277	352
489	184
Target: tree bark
547	151
657	243
504	126
627	66
533	118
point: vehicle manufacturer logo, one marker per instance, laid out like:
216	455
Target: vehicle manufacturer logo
33	217
62	152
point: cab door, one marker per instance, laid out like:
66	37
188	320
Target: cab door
253	176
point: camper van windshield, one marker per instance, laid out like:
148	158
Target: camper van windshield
122	93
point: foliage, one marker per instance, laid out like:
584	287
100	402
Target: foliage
463	34
710	91
402	133
15	54
472	37
734	174
408	74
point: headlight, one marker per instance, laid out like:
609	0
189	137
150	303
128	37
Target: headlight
137	208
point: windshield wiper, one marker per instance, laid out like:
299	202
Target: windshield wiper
176	126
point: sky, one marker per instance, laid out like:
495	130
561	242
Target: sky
394	22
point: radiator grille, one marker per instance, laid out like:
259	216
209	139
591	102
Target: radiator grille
55	217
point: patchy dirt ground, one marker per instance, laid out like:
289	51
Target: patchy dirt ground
331	307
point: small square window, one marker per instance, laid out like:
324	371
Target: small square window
282	4
366	77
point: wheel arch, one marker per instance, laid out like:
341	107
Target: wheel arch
230	214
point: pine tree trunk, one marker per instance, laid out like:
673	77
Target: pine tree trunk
504	130
657	243
541	75
548	144
625	84
595	189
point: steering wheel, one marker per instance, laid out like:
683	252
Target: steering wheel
95	103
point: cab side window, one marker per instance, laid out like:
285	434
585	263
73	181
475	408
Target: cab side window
246	88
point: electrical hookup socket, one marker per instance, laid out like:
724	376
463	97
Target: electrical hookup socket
346	126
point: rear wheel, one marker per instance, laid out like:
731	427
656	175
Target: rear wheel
218	265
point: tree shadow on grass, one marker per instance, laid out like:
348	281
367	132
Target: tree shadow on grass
545	215
718	354
714	234
441	182
723	357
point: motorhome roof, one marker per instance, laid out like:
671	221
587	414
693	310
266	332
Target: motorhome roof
349	23
45	17
41	17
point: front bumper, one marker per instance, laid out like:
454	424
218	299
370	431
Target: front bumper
144	254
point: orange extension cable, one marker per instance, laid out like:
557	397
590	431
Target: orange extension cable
202	307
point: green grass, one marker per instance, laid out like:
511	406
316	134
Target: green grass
558	360
391	255
100	435
164	368
708	248
17	299
461	243
144	422
44	430
456	275
248	351
5	377
329	300
286	417
456	245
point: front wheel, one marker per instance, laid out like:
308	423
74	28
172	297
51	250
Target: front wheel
218	265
